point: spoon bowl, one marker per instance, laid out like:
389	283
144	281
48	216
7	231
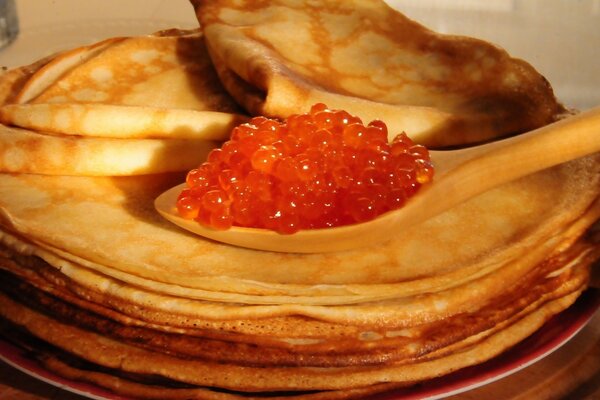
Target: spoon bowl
459	176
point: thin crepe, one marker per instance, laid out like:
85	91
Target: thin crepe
181	138
30	281
48	216
25	151
110	353
139	87
278	58
52	211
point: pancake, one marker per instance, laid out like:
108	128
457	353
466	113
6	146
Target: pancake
430	257
278	58
110	89
131	71
109	353
59	66
25	151
149	387
37	285
132	134
288	356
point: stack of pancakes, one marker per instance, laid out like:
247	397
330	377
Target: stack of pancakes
99	288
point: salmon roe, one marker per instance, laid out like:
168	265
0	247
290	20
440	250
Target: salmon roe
315	170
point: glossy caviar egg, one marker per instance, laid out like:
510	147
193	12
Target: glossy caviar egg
315	170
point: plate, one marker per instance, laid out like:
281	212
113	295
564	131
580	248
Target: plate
549	338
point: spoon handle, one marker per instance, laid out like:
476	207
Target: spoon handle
463	174
480	168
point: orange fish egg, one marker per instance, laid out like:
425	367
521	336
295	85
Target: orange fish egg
316	170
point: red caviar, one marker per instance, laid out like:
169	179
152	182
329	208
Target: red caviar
315	170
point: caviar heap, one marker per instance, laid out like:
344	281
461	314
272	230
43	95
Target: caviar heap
315	170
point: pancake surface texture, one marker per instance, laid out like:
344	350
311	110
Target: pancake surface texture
279	57
97	287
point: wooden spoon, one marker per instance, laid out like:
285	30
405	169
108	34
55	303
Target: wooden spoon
459	175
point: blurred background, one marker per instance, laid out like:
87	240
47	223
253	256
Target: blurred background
561	38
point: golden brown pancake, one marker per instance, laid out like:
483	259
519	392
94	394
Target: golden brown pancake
57	67
25	151
138	87
111	353
124	137
208	315
33	282
146	357
279	57
50	211
152	387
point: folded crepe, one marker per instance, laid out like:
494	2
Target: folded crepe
279	57
119	107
